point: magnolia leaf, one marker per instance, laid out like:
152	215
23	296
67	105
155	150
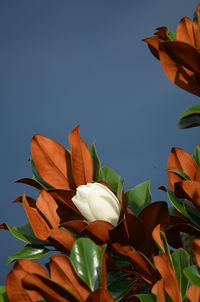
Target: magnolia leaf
166	247
96	161
86	259
139	197
28	252
180	173
120	190
146	297
192	274
196	154
117	286
110	177
192	213
189	118
37	177
171	35
3	295
25	234
181	260
176	202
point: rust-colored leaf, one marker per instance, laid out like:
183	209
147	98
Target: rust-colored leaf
153	42
180	62
39	225
61	239
193	293
141	265
31	182
100	295
52	161
14	288
82	164
156	236
75	225
48	289
189	189
66	198
158	290
185	31
169	277
3	226
48	207
197	175
152	215
196	248
61	271
180	160
196	34
98	231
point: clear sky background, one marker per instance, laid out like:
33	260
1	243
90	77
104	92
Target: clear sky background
64	62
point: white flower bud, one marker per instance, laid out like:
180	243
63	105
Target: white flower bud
96	202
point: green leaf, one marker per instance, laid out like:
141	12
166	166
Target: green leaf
86	259
28	252
192	274
117	286
146	297
25	234
185	207
180	173
3	295
171	35
120	189
37	177
121	261
177	203
166	247
196	154
189	118
192	213
96	161
110	177
139	197
181	260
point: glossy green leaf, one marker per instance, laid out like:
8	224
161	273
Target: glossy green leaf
86	259
190	111
171	35
3	295
180	173
139	197
192	274
196	154
121	261
37	177
110	177
166	247
120	189
96	161
146	297
196	17
117	285
181	260
25	234
189	118
28	252
177	203
192	213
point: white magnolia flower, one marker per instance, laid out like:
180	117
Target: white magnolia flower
96	202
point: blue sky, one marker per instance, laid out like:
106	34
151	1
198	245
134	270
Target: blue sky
83	62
